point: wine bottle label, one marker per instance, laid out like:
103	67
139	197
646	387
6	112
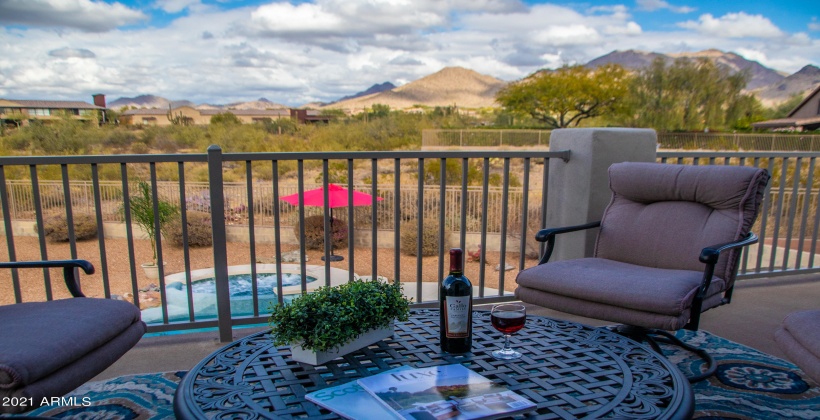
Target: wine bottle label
457	316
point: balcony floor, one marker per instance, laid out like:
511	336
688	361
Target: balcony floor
758	306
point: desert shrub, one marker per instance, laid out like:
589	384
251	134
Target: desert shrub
410	238
119	138
199	230
139	148
55	227
315	232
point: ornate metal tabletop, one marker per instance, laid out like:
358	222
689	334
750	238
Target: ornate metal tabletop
569	370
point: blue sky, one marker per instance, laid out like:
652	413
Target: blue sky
297	52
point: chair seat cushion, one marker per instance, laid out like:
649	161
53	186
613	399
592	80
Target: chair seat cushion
39	338
614	283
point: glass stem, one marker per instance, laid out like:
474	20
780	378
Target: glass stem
507	347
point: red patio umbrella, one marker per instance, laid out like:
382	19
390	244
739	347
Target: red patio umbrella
337	197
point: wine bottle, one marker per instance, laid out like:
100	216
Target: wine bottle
456	307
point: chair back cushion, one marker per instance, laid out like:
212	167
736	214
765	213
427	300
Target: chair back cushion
663	215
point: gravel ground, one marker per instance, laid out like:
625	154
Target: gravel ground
32	284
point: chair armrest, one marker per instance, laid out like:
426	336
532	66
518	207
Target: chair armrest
68	266
548	236
710	254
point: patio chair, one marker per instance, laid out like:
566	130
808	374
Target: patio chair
49	348
799	337
667	250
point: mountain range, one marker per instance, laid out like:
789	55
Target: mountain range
469	89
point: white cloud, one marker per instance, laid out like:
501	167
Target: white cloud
295	52
567	35
85	15
814	25
734	25
653	5
72	53
631	28
176	6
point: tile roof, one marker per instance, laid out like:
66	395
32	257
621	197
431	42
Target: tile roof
24	103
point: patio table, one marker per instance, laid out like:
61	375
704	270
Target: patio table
568	369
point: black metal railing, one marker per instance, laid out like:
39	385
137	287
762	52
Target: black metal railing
487	201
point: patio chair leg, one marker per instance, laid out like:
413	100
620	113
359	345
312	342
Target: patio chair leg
653	337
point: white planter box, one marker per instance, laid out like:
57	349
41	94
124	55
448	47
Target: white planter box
313	358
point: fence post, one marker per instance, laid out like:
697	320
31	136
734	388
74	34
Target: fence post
223	298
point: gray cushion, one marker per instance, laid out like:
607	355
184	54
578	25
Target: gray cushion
799	338
40	338
663	215
619	284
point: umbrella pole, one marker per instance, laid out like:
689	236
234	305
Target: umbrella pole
332	257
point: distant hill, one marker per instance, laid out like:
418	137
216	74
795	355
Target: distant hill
450	86
760	76
630	59
260	103
151	101
377	88
771	87
800	83
146	101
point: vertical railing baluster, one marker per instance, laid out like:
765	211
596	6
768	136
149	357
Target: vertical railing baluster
328	229
223	298
69	215
462	243
158	239
485	185
186	252
792	211
300	189
95	185
420	230
525	214
129	232
780	198
502	265
351	232
441	215
764	215
277	237
805	213
374	218
252	235
41	234
397	220
4	204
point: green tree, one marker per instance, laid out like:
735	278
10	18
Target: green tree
689	95
565	97
783	109
226	118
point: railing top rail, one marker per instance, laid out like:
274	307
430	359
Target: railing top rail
201	157
395	155
719	154
90	159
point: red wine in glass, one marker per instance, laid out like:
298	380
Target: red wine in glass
508	322
508	318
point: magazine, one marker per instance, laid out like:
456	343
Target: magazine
351	401
444	392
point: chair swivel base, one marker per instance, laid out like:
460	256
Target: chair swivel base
655	336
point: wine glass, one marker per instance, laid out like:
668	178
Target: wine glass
508	318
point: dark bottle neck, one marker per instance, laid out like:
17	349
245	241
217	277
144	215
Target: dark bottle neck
456	261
